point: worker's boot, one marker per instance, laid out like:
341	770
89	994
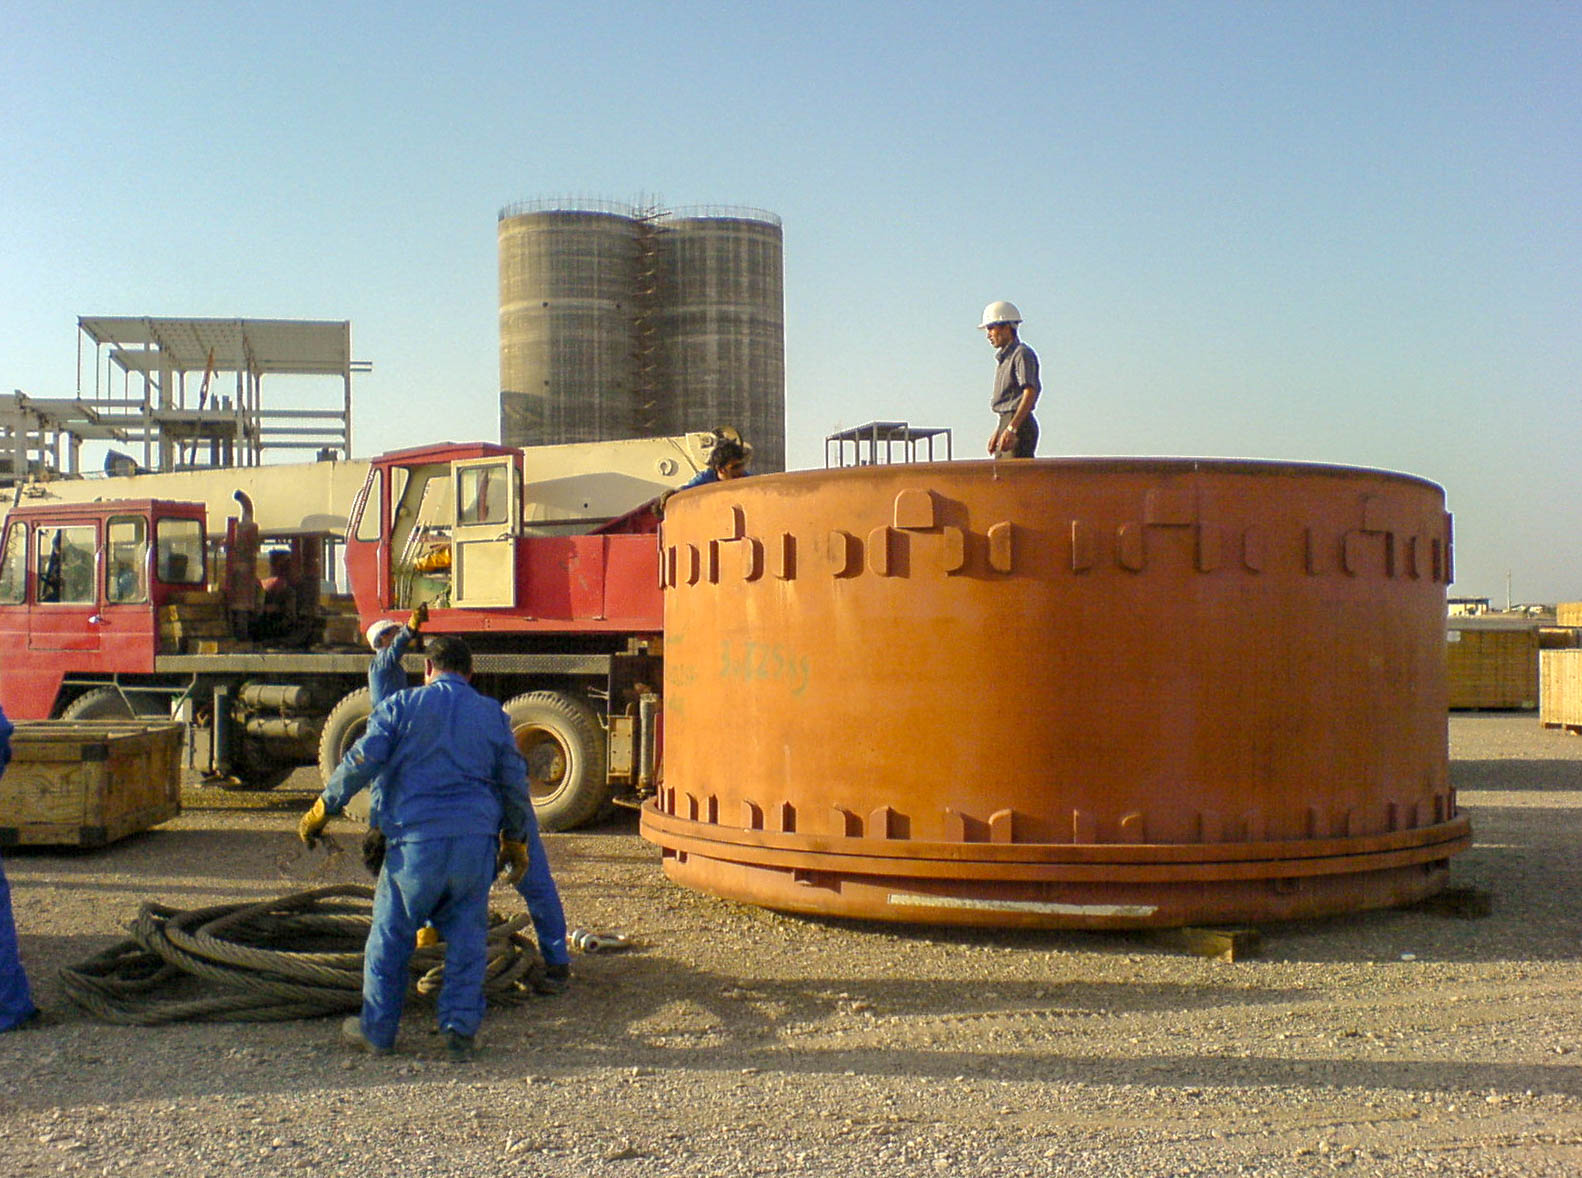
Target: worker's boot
352	1035
551	981
458	1047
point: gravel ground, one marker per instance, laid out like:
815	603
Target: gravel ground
733	1041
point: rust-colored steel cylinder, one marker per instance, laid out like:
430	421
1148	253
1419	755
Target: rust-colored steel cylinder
1075	693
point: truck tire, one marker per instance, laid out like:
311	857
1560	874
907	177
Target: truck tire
342	727
106	703
564	745
101	703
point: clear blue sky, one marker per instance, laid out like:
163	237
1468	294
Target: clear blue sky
1346	232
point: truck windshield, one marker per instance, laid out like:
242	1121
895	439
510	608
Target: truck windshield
178	551
64	564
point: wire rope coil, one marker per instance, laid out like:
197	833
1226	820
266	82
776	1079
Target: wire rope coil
296	956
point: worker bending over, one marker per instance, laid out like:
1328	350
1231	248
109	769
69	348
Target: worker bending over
455	812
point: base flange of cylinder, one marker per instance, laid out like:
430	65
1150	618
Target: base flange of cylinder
1092	887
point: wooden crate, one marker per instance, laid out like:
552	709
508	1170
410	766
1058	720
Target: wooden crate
1560	689
87	783
1492	666
1569	613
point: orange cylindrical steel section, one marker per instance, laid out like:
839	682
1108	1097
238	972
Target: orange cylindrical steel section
1063	693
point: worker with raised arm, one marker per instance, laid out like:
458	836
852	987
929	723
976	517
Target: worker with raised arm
455	813
386	676
1016	385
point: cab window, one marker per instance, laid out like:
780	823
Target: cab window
126	543
63	565
178	551
369	507
484	493
13	565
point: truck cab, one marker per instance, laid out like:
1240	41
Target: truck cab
80	589
448	527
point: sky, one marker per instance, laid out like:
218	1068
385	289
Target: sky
1345	233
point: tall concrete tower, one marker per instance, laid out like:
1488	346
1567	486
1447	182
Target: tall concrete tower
617	322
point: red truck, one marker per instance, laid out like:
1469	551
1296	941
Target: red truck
118	607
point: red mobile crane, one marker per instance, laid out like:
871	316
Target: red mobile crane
118	607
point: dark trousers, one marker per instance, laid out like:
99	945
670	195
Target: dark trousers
1026	435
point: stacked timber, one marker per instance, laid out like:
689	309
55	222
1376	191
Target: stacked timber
86	783
1560	690
1560	671
341	625
197	622
1492	661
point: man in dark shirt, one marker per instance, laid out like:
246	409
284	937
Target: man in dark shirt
1016	386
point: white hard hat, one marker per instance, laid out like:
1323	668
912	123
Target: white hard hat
377	630
1000	312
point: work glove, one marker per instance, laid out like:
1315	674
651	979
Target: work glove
417	617
313	823
427	937
512	860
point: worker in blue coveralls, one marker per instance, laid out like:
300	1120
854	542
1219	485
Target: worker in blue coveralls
386	676
16	1000
728	460
455	813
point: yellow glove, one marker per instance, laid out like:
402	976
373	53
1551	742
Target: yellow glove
313	823
512	860
427	937
417	617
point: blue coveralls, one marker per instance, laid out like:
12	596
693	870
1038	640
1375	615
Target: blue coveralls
453	782
542	897
386	676
16	1000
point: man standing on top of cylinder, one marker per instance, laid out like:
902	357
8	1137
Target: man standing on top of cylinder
1016	384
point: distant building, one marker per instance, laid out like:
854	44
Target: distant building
619	322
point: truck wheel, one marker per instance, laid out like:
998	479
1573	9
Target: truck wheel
106	703
563	742
342	728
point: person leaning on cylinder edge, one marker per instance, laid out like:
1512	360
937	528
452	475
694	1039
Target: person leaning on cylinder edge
455	813
1016	384
728	460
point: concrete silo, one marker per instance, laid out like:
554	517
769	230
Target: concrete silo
720	326
619	322
569	285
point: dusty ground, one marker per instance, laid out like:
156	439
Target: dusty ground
734	1041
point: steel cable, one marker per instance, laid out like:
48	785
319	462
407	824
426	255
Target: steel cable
297	956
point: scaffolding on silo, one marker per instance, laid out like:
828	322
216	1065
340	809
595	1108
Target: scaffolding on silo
622	320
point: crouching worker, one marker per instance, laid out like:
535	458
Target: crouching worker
454	811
